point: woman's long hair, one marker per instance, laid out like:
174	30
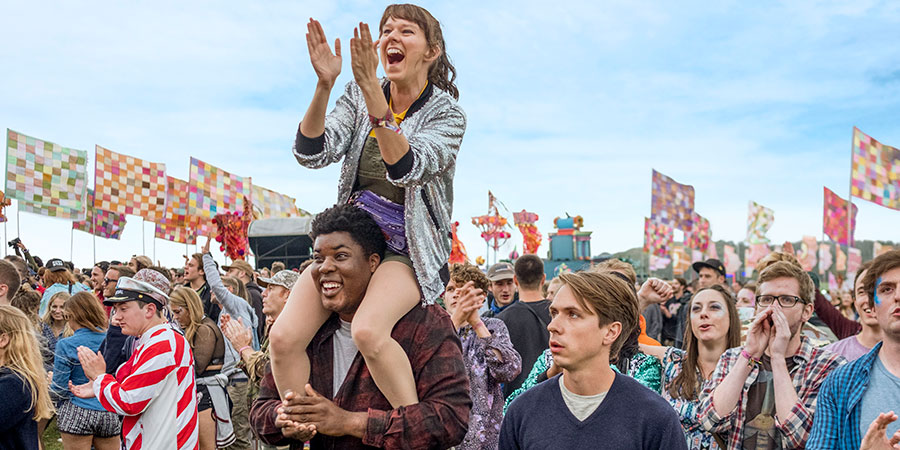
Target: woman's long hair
237	287
84	309
23	357
686	384
187	298
59	277
441	74
48	315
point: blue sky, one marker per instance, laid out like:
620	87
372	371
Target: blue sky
569	108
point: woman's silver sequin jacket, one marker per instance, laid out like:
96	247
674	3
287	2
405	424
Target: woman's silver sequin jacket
434	132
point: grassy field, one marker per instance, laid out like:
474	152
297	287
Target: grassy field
51	437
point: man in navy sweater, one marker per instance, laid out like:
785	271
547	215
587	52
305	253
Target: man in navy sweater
589	405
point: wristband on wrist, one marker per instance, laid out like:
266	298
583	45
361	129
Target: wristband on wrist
385	122
241	351
751	361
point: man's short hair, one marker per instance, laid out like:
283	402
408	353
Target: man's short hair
775	257
199	258
880	265
617	265
463	273
278	266
9	276
785	269
607	296
357	223
529	272
123	271
681	281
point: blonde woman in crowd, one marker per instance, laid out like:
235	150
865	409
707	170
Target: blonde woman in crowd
83	422
53	324
23	382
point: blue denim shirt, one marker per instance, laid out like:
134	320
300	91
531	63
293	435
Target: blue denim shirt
836	424
66	366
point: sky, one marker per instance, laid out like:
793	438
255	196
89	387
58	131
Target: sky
569	108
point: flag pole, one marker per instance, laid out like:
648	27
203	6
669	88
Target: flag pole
71	243
94	232
18	216
143	237
850	195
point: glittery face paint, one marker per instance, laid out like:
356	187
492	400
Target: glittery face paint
876	299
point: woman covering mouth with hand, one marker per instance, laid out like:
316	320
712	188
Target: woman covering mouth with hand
712	326
397	138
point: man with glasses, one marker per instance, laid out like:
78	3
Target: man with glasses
763	395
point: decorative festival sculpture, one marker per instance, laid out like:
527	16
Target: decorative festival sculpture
530	235
493	226
232	231
457	249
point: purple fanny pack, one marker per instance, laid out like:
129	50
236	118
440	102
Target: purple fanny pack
389	217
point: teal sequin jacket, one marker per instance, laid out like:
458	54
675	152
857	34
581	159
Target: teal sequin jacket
646	369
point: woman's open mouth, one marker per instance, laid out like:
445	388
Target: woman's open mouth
394	56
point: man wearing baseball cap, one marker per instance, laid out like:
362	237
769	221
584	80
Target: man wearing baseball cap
155	388
57	278
709	272
242	270
503	288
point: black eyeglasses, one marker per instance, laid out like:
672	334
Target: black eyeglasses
786	301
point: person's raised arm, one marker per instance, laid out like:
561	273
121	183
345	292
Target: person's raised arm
327	66
503	361
726	395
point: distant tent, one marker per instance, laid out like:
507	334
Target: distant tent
280	239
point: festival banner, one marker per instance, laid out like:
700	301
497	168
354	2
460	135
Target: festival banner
172	233
699	236
834	221
672	203
176	225
4	202
214	191
840	263
752	255
105	224
854	260
273	204
124	184
732	259
51	211
659	262
807	253
825	260
681	261
711	252
657	238
50	179
759	221
832	282
875	171
696	255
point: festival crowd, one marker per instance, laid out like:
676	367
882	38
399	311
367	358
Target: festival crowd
376	341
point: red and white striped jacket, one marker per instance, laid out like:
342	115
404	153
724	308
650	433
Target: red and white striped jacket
155	392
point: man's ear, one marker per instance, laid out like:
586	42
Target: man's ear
4	340
808	309
4	290
374	261
612	333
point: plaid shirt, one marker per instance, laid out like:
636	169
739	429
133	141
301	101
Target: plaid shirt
439	420
811	367
837	423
